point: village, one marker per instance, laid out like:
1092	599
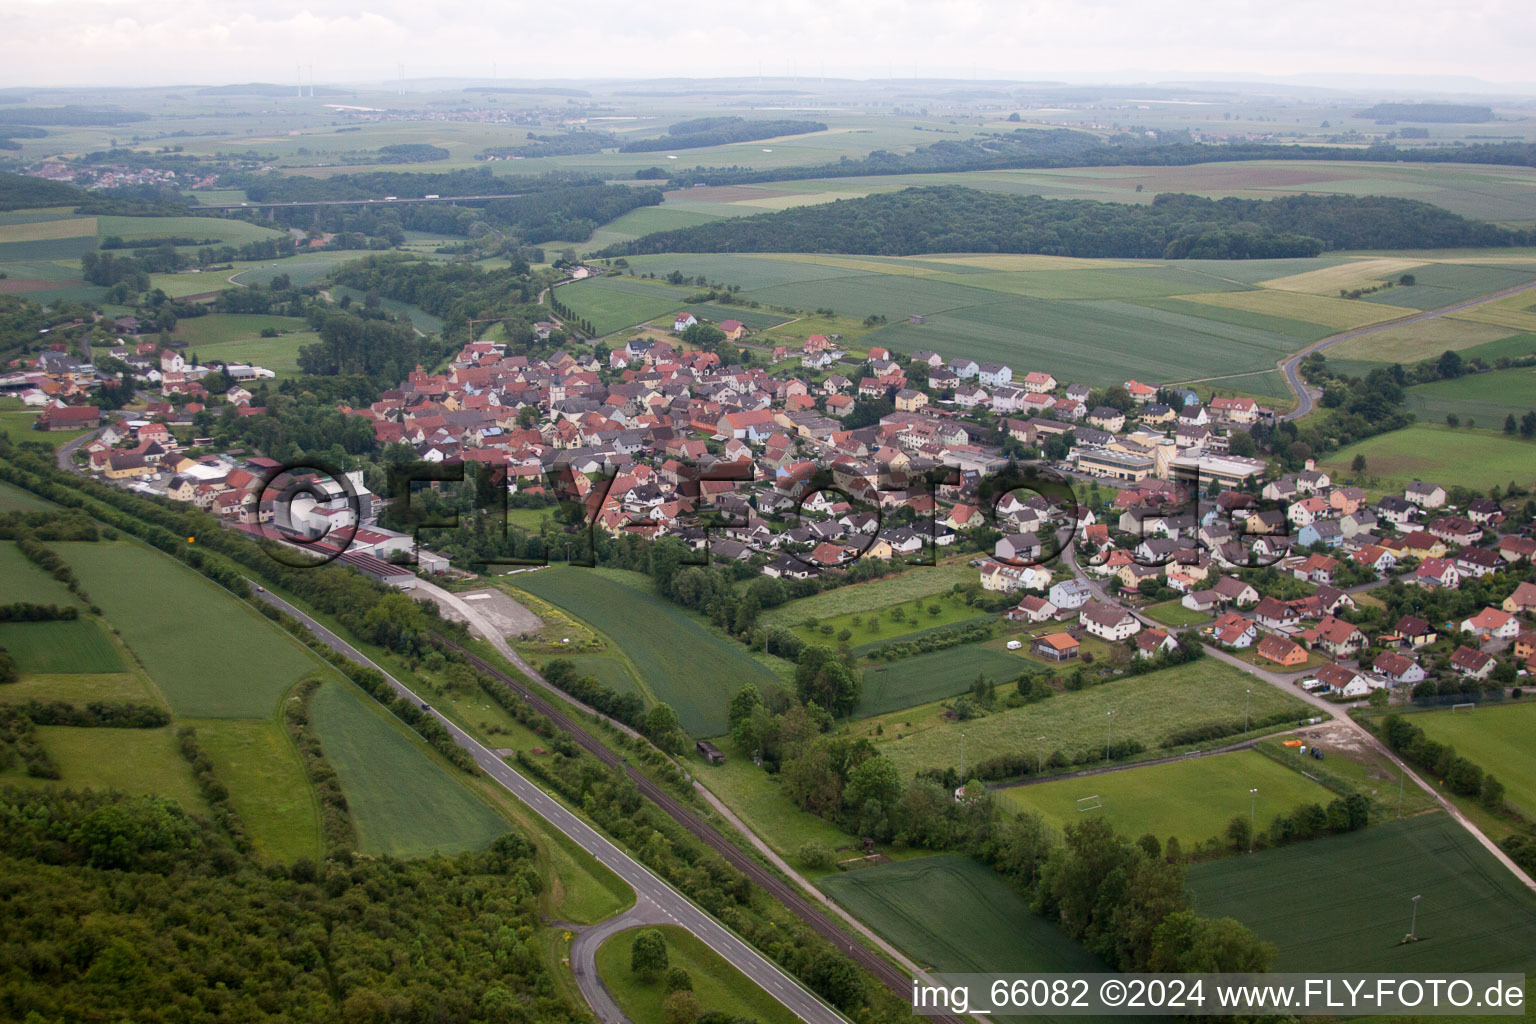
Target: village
763	468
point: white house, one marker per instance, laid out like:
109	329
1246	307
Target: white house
1107	621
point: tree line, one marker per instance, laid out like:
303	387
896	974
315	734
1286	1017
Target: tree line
719	131
952	218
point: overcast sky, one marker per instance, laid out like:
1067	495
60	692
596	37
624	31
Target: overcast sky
145	42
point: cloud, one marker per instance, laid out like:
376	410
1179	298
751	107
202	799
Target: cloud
55	42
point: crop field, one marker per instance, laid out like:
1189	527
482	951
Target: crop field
403	802
677	659
24	581
1443	284
613	303
1485	397
96	758
751	319
891	686
1348	275
917	904
44	229
226	230
303	269
64	647
1473	916
718	986
1410	343
1498	739
1146	708
1192	799
914	583
1477	459
211	655
267	786
611	672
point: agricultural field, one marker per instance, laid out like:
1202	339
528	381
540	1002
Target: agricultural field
1476	459
182	629
891	686
611	672
718	986
272	796
1498	738
916	905
236	338
1191	799
613	303
79	647
881	624
404	802
1474	915
25	581
1146	708
224	230
1486	398
913	584
92	758
674	656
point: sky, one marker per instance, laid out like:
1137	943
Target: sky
160	42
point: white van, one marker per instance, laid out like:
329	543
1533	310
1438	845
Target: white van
1014	645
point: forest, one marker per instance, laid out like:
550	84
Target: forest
454	291
719	131
952	218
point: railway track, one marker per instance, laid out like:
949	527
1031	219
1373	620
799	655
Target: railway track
897	981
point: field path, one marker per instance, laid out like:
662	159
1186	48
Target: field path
1291	364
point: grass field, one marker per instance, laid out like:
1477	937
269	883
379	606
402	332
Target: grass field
227	231
21	580
1146	708
14	499
891	686
1474	915
65	647
273	797
1485	398
754	796
676	658
611	672
17	424
1192	799
1477	459
613	303
68	226
404	803
137	761
918	582
718	986
877	625
919	905
1172	613
1499	738
236	338
210	654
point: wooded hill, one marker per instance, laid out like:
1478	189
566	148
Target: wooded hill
956	219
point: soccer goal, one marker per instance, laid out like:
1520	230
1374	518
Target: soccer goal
1463	707
1089	803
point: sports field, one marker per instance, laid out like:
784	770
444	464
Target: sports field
1499	738
53	648
955	914
891	686
717	985
1146	708
137	761
1191	799
268	790
1486	398
1476	459
1344	903
677	659
403	802
21	580
210	654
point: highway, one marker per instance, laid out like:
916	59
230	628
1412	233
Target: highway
397	201
1291	364
660	901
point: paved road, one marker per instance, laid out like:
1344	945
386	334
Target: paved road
351	202
584	955
65	455
671	904
1290	366
1328	710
